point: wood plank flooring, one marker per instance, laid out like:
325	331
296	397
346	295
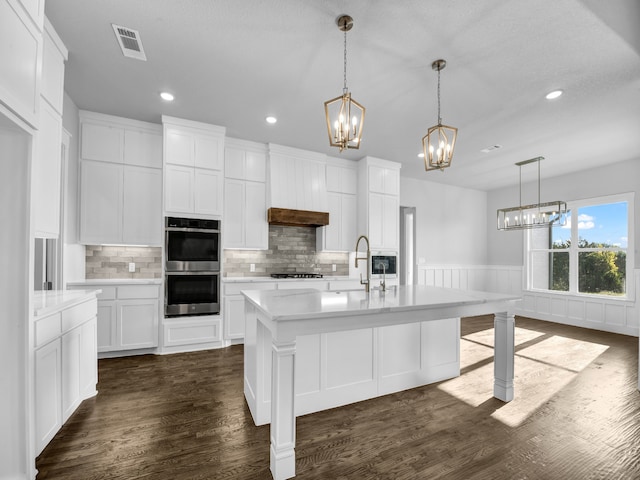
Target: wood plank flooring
183	417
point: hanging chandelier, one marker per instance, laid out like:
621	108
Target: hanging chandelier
536	215
344	115
440	140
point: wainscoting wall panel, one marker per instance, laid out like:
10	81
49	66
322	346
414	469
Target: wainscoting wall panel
598	312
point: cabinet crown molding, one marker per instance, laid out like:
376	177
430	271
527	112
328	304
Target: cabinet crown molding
119	122
297	153
205	128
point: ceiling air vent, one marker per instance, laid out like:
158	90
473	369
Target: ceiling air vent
129	41
491	148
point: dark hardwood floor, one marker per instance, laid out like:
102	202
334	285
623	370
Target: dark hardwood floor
183	417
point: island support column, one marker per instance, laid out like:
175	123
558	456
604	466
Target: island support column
283	418
504	350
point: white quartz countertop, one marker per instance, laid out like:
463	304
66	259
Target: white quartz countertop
116	281
306	303
271	279
51	301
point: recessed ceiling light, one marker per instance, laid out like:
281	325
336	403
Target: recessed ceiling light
554	94
271	119
421	155
167	96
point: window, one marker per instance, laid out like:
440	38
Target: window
589	255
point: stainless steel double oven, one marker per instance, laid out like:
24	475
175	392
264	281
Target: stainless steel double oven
192	267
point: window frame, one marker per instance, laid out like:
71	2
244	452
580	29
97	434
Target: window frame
574	250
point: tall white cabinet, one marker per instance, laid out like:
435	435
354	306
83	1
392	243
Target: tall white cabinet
193	168
120	181
379	202
245	196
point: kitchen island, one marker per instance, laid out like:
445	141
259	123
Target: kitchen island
308	350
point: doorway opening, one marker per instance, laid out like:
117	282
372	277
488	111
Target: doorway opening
408	271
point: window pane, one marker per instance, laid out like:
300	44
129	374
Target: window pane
603	225
602	272
561	236
550	270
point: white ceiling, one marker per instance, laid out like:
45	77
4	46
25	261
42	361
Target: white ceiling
232	62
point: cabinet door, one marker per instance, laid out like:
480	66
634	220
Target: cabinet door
71	360
234	214
348	230
234	317
207	191
333	231
390	220
179	148
137	324
255	216
106	326
52	73
255	166
142	213
376	222
178	189
103	143
48	398
376	179
101	202
142	149
209	152
88	359
234	163
46	173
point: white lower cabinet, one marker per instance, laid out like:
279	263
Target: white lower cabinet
48	392
128	316
65	367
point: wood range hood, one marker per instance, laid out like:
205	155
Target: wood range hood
297	218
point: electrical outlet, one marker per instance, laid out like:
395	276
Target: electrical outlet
252	267
132	267
333	267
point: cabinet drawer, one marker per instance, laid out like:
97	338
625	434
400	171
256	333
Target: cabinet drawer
108	293
74	316
47	329
236	288
138	291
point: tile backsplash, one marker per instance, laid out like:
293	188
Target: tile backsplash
291	249
103	261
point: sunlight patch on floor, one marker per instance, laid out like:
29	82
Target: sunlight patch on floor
541	371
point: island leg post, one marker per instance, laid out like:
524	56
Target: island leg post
283	418
504	351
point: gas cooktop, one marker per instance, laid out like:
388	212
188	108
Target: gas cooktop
296	275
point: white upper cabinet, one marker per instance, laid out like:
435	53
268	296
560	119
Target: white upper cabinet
54	56
21	46
120	181
193	165
298	179
342	186
245	200
102	142
379	202
47	174
142	148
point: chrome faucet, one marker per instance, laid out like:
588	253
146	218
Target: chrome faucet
367	282
383	282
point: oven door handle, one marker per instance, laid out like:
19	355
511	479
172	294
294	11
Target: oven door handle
192	272
197	230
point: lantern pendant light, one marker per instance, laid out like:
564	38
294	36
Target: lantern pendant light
440	140
345	116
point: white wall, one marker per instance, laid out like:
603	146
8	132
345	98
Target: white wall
451	222
506	248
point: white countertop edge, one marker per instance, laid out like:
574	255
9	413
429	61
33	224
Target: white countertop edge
115	281
477	298
47	302
271	279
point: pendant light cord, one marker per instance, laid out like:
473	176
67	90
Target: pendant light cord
344	89
439	117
